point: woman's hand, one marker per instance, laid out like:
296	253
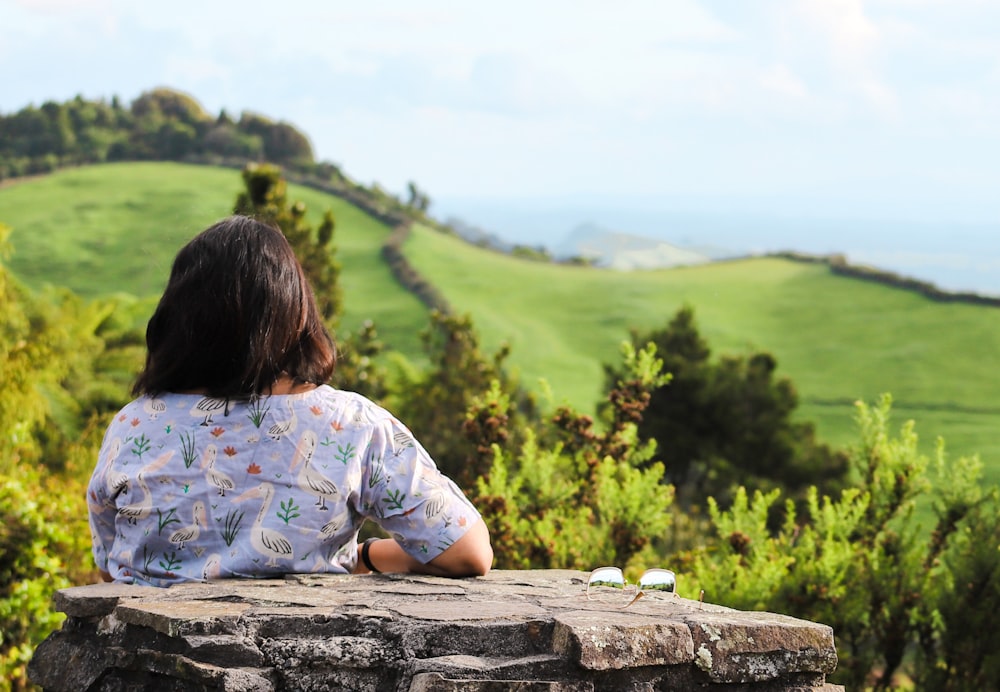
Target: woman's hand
469	556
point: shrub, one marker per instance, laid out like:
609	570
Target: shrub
31	570
571	497
862	564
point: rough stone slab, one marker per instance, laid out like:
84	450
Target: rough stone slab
331	652
308	623
206	675
236	650
442	587
760	646
497	638
435	682
464	610
595	642
98	599
274	593
463	667
81	661
177	618
481	664
384	632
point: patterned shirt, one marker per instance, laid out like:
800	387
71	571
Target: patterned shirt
188	487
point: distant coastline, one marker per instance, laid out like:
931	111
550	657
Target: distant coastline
950	258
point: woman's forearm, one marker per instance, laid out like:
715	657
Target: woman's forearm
469	556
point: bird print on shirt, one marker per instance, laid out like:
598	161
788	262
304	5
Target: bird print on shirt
206	407
190	533
267	541
140	510
287	426
309	479
215	478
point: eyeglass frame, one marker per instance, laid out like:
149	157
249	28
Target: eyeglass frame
642	588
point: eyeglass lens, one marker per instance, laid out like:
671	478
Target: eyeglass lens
658	580
610	577
606	583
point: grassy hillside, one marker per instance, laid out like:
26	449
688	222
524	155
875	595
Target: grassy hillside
114	228
839	339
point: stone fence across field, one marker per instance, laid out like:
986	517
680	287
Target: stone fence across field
511	630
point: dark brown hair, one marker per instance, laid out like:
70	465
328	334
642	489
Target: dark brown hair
237	313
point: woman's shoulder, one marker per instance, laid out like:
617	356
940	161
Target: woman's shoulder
142	403
344	398
347	405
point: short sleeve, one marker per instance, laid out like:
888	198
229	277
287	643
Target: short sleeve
404	492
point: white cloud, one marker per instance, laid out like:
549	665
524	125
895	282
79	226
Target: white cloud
852	33
185	70
781	80
855	46
59	6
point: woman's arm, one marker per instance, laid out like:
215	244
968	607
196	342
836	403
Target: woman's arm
469	556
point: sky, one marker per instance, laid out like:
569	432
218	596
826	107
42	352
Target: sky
824	109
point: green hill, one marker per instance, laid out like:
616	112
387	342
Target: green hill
114	228
839	339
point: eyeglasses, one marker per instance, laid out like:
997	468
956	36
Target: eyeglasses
610	584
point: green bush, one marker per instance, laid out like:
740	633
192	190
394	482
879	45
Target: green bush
861	563
571	497
31	570
55	388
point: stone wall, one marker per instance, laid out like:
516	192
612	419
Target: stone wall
511	630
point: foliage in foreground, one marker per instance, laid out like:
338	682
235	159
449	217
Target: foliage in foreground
902	600
434	400
860	563
50	353
725	423
567	480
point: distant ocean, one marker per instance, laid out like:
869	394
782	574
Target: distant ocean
953	256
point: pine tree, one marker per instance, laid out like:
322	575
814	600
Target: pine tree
265	197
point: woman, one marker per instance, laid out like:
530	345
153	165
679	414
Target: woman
237	461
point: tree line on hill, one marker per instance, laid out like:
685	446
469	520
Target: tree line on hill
161	124
164	124
694	464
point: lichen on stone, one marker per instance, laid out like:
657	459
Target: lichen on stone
703	658
713	632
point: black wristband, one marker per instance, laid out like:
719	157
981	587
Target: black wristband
364	555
